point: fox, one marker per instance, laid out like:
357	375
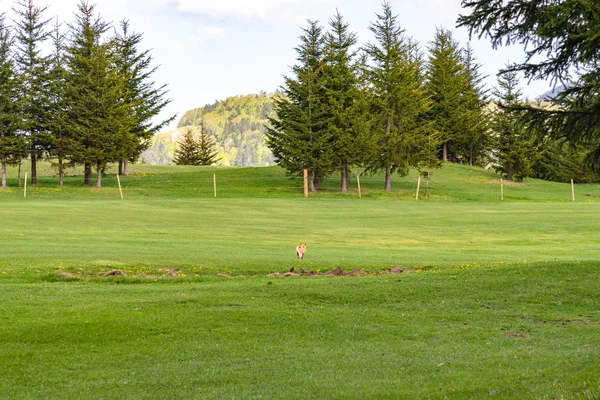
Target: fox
301	251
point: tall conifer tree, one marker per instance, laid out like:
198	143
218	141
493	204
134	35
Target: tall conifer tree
98	115
399	100
9	112
515	148
346	101
146	100
299	137
30	34
446	84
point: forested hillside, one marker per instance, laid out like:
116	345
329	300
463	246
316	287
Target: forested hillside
238	125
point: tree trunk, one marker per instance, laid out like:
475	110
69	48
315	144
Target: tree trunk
87	170
427	185
19	173
33	169
126	167
3	173
388	178
61	172
120	167
344	188
445	152
509	174
471	157
98	175
314	182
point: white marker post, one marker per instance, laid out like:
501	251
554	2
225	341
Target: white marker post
572	190
358	181
119	182
501	189
215	184
418	187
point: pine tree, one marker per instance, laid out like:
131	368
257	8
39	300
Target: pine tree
399	100
472	138
298	136
30	35
515	149
446	84
562	39
346	101
58	126
98	115
145	99
9	112
207	149
188	150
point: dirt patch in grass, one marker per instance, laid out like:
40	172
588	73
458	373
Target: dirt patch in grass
115	272
334	272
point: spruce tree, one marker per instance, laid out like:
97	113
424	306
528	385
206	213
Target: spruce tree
472	136
61	143
298	136
146	100
515	150
345	100
98	116
9	93
30	35
399	100
446	85
562	42
207	149
187	150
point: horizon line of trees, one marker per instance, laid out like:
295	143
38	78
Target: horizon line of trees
91	101
390	106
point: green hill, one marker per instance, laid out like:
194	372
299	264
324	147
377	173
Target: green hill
238	125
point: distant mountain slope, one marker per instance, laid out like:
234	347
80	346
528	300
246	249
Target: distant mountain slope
238	125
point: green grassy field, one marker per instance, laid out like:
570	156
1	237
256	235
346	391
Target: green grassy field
502	300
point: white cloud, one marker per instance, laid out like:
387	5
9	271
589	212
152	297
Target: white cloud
271	10
209	33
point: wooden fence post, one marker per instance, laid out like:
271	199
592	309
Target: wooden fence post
572	190
358	181
119	182
305	183
418	187
25	189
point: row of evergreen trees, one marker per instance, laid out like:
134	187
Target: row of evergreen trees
90	102
390	107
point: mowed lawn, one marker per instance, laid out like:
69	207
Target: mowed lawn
501	299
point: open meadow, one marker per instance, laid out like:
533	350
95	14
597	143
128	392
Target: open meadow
498	298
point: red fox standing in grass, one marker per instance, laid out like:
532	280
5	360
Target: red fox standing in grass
301	250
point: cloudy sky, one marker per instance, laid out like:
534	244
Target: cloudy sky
211	49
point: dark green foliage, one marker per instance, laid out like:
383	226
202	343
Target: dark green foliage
30	34
61	143
562	39
98	115
9	93
445	85
560	162
398	98
238	124
473	138
299	136
195	149
145	100
346	102
515	148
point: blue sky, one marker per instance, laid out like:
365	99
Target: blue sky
211	49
